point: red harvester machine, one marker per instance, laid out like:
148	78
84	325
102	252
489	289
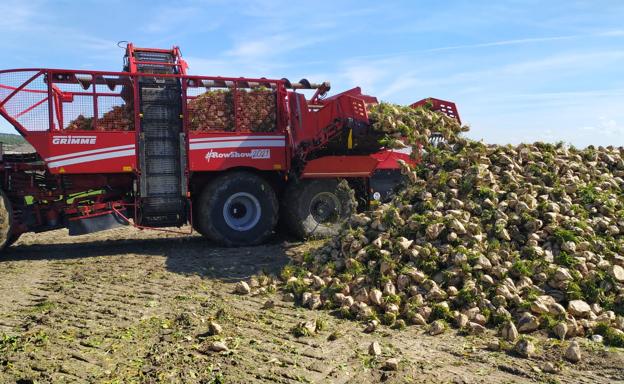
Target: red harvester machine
155	147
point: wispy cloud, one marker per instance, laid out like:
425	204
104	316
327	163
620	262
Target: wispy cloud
605	126
568	61
577	95
531	40
496	43
366	75
170	18
17	15
613	33
271	46
493	76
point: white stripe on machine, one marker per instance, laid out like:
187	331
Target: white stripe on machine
86	159
239	144
235	138
78	154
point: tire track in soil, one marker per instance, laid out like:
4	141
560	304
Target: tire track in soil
137	310
24	290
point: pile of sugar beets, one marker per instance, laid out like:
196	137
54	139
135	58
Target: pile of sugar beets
251	110
120	118
254	110
517	238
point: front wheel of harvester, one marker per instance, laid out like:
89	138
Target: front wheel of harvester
315	208
6	221
237	209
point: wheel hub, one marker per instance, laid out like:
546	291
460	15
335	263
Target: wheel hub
238	210
242	211
325	207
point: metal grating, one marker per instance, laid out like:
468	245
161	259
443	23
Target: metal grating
28	106
162	167
156	112
163	184
78	114
114	114
163	147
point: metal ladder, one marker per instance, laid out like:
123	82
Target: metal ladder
162	149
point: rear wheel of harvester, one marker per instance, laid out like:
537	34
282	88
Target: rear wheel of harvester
237	209
315	208
6	222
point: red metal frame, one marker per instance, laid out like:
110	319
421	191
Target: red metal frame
220	150
179	62
447	107
133	223
340	166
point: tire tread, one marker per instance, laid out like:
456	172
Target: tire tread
210	195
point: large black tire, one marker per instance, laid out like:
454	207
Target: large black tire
315	208
13	240
237	209
6	221
196	218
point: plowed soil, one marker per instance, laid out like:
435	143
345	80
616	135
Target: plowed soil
127	306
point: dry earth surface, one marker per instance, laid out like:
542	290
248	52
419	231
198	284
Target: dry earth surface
128	306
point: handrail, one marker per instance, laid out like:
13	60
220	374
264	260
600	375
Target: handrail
56	98
302	84
142	74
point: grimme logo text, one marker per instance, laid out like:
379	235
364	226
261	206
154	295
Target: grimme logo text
254	154
73	139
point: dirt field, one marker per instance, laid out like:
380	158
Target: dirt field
127	306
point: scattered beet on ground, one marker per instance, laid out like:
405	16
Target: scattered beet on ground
126	306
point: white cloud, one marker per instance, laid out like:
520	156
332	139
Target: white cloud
269	47
613	33
497	43
611	127
501	43
18	15
365	75
531	40
168	19
564	62
223	66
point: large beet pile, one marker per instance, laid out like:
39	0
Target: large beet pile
120	118
214	111
522	238
221	110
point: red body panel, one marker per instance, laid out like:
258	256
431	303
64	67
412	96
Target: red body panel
224	150
321	122
58	102
447	107
340	166
86	151
388	159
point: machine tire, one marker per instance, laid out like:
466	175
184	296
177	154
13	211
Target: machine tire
305	221
13	240
237	209
6	222
196	218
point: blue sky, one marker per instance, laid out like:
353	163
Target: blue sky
519	70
